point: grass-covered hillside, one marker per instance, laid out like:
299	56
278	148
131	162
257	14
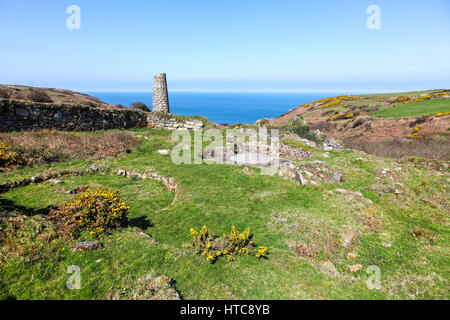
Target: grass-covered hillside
436	107
394	125
49	95
320	237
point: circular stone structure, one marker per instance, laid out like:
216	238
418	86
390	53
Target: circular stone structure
160	95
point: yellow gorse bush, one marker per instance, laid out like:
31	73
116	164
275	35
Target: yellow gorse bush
7	157
414	134
331	102
236	243
95	211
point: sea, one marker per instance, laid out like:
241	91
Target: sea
220	107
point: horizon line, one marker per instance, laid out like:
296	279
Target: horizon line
257	91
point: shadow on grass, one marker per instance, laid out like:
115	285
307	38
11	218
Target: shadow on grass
141	222
8	206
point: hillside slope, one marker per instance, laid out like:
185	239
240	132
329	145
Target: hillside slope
395	125
50	95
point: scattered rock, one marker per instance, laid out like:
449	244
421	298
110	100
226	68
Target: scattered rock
326	155
86	246
151	288
122	173
337	176
348	238
163	152
361	159
170	183
301	180
77	190
245	170
387	244
93	168
36	179
55	181
355	268
293	153
330	144
352	255
35	258
329	268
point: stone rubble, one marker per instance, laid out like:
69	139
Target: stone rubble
170	183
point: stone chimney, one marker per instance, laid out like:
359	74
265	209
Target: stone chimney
160	95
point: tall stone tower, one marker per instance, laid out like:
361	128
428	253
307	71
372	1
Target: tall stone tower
160	95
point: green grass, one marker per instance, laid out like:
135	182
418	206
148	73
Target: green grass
415	109
280	214
396	94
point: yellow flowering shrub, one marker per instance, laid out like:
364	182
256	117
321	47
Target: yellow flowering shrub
235	243
331	102
414	134
7	157
94	211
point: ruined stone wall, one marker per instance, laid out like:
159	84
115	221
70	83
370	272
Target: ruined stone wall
160	94
16	115
161	120
22	115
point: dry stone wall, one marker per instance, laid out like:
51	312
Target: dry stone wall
18	115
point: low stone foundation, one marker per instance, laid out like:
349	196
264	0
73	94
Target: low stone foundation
169	122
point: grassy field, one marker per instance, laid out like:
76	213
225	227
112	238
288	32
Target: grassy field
415	109
406	235
396	94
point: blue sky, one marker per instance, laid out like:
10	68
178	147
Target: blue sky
234	45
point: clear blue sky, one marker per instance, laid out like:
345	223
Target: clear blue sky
227	45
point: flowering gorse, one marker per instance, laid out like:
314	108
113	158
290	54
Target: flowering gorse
94	211
230	245
414	134
7	157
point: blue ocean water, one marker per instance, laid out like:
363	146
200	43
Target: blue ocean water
220	108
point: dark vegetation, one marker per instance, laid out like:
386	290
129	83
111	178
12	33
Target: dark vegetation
140	106
39	147
431	147
38	95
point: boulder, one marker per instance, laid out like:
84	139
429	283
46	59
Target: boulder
337	176
55	181
301	180
355	268
329	268
86	246
163	152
